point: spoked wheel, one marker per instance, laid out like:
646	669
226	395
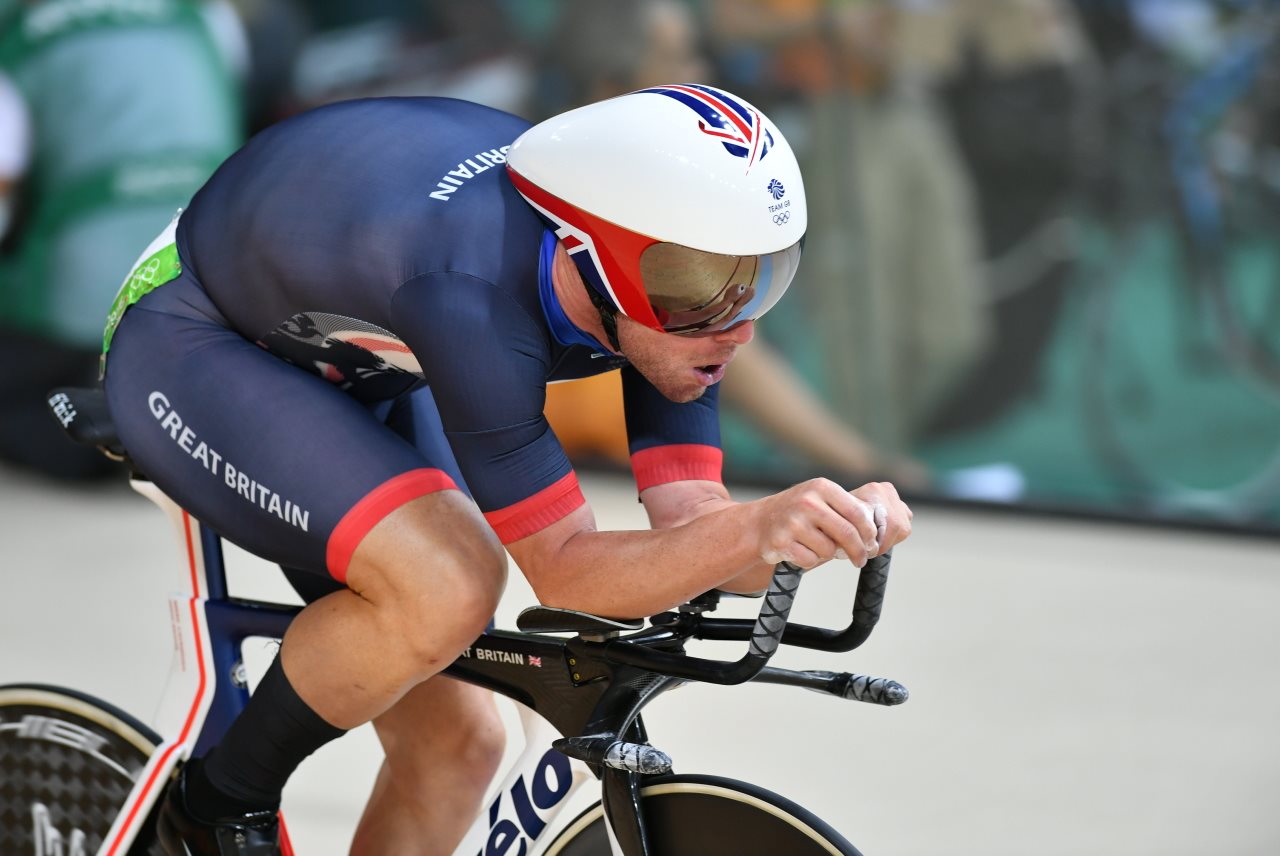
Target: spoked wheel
701	815
67	763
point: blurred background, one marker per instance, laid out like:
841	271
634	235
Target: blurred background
1039	269
1040	274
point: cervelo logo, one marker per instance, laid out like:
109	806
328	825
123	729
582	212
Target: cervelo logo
737	126
468	170
518	821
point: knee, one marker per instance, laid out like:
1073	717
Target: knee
468	588
482	741
471	574
438	594
456	604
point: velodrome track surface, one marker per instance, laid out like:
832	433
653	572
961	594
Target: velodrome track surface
1076	688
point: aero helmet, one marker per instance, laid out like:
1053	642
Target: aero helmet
681	205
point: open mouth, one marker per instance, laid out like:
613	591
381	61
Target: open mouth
710	374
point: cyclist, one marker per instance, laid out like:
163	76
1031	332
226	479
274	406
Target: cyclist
337	358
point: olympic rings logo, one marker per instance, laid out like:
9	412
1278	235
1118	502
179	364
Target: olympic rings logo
779	219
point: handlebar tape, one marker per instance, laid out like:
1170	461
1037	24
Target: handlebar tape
772	620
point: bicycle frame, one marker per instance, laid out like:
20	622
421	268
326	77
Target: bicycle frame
207	687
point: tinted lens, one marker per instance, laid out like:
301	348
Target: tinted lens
694	291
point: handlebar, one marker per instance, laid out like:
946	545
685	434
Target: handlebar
867	604
765	633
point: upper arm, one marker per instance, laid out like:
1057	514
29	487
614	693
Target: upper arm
537	554
675	452
670	443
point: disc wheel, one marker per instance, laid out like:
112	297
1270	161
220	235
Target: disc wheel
700	815
67	763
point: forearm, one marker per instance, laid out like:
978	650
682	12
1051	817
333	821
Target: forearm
702	540
751	580
689	501
637	573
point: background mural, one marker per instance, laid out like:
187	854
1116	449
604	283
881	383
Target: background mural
1042	266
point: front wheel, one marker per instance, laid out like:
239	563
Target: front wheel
700	815
67	762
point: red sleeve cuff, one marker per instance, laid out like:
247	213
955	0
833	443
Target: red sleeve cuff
537	512
677	462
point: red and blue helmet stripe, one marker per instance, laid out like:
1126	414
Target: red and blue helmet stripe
738	127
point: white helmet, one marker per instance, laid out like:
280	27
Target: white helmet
682	205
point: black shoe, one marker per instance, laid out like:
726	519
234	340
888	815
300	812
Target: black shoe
182	833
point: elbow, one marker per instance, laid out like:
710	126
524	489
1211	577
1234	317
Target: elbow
550	594
559	593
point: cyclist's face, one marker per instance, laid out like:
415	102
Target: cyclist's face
681	367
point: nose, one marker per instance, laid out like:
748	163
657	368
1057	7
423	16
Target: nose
739	334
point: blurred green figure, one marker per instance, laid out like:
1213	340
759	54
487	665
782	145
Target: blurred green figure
119	110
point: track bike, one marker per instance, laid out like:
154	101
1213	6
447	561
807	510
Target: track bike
80	776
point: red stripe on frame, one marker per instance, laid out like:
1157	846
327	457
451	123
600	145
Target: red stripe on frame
200	690
286	844
677	462
377	504
537	512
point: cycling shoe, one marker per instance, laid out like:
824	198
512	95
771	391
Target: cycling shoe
183	833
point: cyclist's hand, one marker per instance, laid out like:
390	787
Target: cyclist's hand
892	516
818	520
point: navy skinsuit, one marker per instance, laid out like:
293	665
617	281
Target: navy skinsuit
365	316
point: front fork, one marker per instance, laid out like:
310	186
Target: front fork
624	814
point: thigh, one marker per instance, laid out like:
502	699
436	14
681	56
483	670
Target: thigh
272	457
414	418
